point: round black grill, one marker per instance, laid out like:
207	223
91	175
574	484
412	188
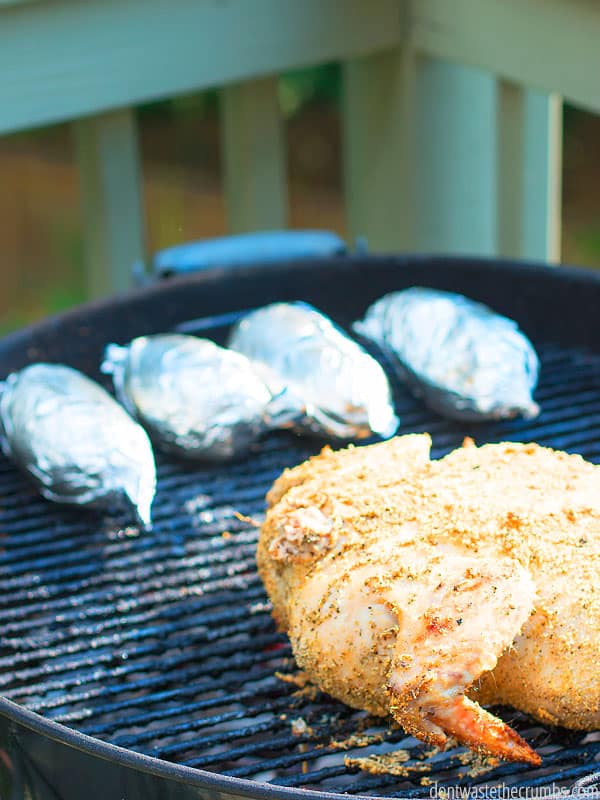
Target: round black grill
163	643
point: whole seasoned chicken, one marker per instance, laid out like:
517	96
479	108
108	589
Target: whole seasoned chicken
419	588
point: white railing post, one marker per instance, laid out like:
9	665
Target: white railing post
254	156
455	159
529	173
113	214
378	100
420	154
445	158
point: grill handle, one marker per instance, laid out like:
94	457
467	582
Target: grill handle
242	249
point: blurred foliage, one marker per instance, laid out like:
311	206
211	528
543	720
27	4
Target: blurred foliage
52	292
589	243
47	295
310	86
62	285
297	89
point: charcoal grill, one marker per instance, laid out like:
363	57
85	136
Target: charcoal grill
145	665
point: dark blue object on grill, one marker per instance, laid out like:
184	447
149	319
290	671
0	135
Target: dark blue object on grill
145	666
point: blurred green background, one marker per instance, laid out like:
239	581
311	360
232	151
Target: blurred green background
41	270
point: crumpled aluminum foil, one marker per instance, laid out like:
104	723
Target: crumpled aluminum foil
75	440
465	360
338	389
196	399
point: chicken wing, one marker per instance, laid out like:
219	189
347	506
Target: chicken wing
547	504
407	584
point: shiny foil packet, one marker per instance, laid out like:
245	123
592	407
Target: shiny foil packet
75	440
196	399
465	360
338	389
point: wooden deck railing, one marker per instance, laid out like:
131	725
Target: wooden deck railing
436	156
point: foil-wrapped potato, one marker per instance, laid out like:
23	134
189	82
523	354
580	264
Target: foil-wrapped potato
338	389
196	399
465	360
77	443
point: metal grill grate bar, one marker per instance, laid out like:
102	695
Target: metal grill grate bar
273	685
91	658
240	667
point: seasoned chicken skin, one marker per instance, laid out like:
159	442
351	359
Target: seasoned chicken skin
418	588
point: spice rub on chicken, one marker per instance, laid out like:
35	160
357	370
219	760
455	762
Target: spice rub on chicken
422	589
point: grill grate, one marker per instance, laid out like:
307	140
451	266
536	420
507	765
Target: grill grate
162	642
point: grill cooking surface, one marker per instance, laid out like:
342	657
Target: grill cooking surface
162	642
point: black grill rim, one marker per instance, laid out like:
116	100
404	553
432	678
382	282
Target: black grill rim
21	347
144	308
191	776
